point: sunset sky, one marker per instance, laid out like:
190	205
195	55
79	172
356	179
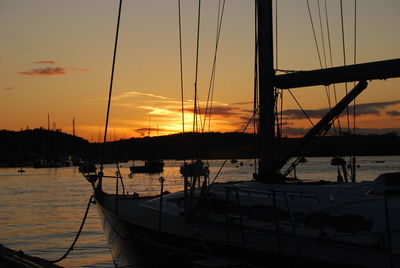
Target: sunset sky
56	57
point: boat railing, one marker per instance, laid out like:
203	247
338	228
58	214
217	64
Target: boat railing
118	178
292	222
271	194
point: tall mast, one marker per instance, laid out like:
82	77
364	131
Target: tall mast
266	75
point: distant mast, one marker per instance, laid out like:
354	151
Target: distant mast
73	126
266	75
48	121
148	133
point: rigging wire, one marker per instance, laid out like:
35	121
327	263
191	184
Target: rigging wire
353	162
181	65
195	111
316	43
322	33
327	88
313	29
344	60
210	94
280	93
255	86
331	64
215	58
111	86
243	131
355	61
304	112
213	85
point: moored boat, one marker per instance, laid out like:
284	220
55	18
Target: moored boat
150	166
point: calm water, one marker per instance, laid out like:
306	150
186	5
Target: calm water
41	209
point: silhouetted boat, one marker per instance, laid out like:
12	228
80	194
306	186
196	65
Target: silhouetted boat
272	220
150	166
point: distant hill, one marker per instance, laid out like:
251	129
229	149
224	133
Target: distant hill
18	147
239	145
27	145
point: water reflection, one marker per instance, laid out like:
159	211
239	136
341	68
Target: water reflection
41	209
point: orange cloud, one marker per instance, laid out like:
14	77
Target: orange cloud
45	71
45	62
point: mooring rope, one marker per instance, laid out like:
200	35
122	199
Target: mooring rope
77	234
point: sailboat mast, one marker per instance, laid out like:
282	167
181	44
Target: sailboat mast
266	75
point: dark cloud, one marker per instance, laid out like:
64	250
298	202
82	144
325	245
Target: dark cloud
45	62
361	109
291	131
145	131
299	114
45	71
222	111
9	88
242	103
226	111
393	113
373	108
51	70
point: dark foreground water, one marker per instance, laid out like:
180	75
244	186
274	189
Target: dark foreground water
41	209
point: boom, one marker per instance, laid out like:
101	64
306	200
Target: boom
350	73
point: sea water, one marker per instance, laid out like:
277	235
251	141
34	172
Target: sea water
41	209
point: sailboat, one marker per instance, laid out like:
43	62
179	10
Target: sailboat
150	166
270	220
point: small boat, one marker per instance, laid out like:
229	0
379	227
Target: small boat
21	170
150	166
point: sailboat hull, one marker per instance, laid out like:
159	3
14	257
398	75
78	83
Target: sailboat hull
134	243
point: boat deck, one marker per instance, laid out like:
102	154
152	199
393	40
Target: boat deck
262	241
